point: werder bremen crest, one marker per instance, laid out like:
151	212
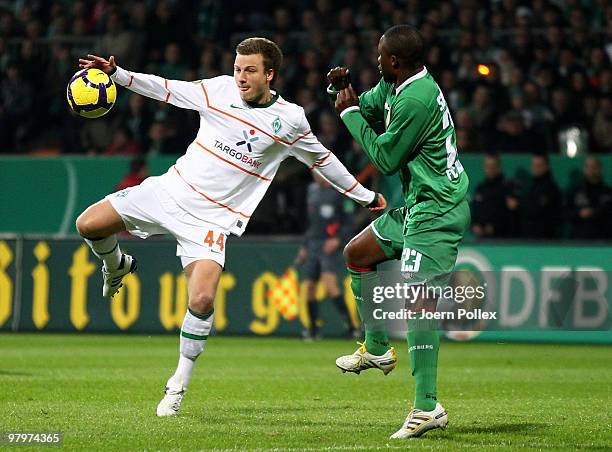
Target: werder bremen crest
276	125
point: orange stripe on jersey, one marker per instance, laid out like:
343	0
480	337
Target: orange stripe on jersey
320	162
247	123
208	197
166	86
231	163
275	138
300	137
350	189
205	94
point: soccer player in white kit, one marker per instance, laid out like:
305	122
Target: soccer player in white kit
246	131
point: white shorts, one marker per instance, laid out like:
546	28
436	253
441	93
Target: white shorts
147	209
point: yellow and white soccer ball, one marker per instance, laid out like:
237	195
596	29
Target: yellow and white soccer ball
91	93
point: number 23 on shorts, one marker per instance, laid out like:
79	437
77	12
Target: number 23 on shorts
411	260
213	242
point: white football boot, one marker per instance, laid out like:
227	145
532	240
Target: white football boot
363	360
112	279
171	403
419	422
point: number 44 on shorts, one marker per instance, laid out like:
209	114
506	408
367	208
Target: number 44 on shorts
211	242
411	260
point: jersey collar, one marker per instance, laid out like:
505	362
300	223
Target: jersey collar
408	81
274	98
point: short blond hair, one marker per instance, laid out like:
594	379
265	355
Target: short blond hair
271	53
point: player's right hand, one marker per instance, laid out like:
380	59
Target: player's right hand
93	61
379	203
339	78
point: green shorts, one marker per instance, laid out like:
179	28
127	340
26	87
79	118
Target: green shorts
427	249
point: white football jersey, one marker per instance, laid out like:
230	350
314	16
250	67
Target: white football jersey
238	148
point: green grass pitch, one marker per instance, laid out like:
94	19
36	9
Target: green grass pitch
264	393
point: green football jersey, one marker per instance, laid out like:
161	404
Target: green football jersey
419	142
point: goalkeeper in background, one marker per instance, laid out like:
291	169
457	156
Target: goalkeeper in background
419	143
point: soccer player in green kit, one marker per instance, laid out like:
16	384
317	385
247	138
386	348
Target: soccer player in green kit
419	143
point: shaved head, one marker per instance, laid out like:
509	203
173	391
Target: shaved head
406	44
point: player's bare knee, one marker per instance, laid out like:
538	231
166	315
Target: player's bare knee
347	252
201	302
86	226
353	255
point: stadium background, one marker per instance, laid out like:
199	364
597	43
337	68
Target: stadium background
523	79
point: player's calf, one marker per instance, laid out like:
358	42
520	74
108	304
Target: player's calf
115	264
112	279
194	334
98	225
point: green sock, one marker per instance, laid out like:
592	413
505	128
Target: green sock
423	345
376	339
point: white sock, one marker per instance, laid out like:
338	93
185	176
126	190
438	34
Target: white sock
108	250
194	333
182	375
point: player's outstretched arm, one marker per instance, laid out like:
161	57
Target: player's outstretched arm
308	149
317	157
334	172
179	93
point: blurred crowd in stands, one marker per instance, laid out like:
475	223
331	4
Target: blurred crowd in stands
520	76
517	74
534	207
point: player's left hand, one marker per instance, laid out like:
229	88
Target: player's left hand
346	98
339	78
93	61
331	245
379	203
